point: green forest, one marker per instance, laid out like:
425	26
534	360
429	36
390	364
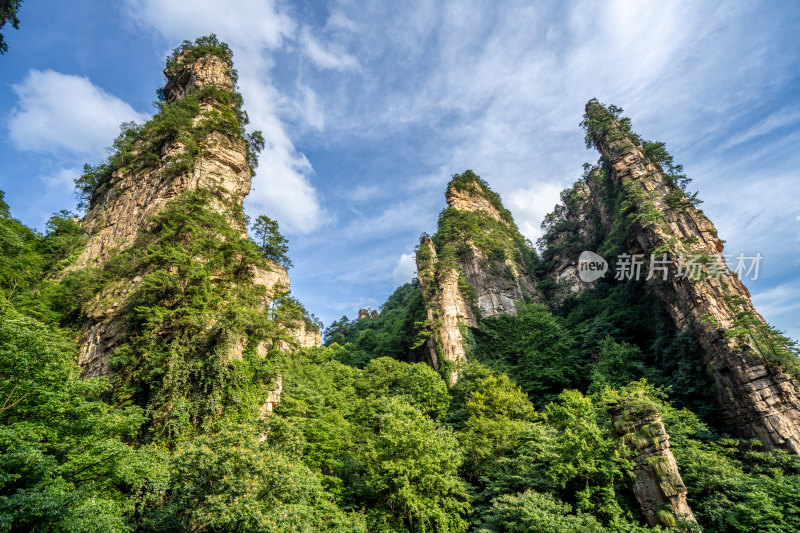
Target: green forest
366	435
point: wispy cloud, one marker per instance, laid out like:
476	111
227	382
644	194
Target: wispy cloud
501	90
368	108
777	120
532	204
331	57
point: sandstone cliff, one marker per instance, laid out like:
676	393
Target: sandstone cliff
657	484
204	152
745	360
448	314
124	204
476	265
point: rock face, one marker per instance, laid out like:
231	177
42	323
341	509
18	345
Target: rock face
367	314
273	397
308	338
471	200
207	70
498	284
657	484
123	207
758	397
476	264
448	312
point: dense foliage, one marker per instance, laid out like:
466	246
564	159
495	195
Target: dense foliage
499	240
395	331
188	435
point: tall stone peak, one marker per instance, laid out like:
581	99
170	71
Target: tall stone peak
154	167
477	264
658	486
448	311
196	142
468	192
752	370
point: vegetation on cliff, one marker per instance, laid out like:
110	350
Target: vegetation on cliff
498	239
213	421
181	126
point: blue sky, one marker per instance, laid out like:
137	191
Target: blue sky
368	108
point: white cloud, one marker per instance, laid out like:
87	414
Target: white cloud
777	120
532	204
781	305
305	107
405	269
254	29
503	89
60	112
441	87
339	21
63	179
413	214
254	24
364	193
331	57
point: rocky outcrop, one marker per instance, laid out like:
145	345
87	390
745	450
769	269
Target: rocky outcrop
758	396
205	71
447	311
472	199
657	483
497	283
366	314
479	266
302	336
308	337
273	397
124	206
274	279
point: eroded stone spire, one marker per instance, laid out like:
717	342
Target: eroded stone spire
195	143
742	355
448	311
480	265
657	484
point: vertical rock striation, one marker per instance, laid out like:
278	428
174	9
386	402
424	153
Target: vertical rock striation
448	312
125	204
500	281
743	356
208	154
657	484
476	265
